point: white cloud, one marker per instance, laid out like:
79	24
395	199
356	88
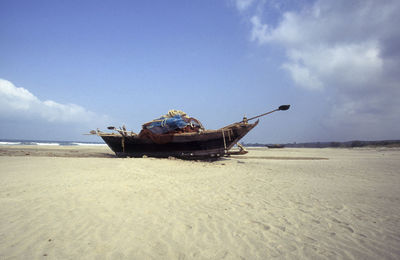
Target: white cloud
259	31
302	76
349	49
335	38
352	65
19	104
14	98
242	5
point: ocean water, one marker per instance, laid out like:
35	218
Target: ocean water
46	142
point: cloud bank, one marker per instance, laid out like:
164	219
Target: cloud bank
23	110
348	50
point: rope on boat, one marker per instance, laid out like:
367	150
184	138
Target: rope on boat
123	143
229	134
223	136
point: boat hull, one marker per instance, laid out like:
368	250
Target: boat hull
208	144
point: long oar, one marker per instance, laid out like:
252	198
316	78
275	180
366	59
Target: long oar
281	108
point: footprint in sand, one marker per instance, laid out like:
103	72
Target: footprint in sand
265	227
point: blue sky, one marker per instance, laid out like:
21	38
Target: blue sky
72	66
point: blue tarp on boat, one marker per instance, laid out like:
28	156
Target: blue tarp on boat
166	124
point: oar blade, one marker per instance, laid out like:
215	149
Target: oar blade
284	107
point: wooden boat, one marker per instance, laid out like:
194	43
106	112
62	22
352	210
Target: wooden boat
201	144
275	146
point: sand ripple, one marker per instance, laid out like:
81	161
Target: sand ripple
346	206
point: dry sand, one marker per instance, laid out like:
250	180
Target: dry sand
81	203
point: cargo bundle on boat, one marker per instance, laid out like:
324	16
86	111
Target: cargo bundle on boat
178	135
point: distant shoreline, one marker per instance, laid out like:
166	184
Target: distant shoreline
348	144
48	142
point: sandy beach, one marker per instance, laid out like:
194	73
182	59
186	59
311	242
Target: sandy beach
83	203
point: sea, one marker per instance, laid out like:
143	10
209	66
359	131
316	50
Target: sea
46	142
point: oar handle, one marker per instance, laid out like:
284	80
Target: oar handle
262	114
281	108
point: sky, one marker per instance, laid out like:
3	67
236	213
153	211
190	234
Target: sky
67	67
